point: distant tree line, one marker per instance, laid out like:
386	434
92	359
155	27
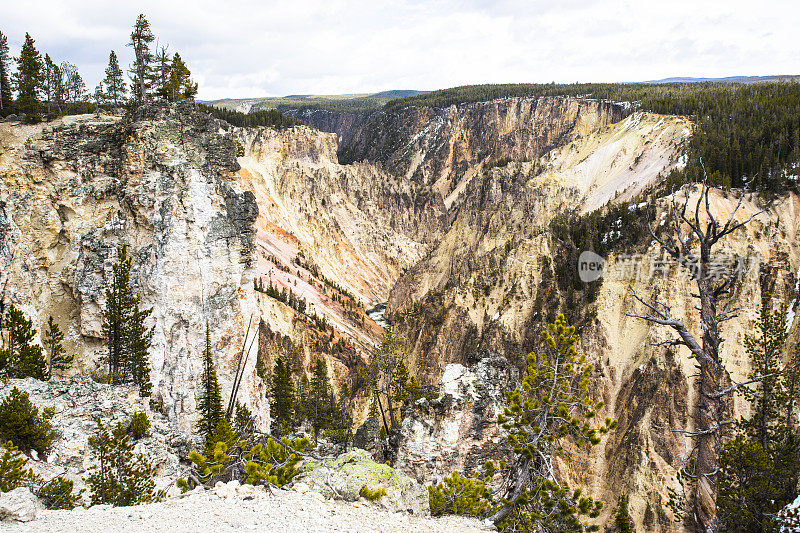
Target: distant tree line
271	118
747	134
41	88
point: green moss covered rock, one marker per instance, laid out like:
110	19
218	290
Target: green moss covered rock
344	477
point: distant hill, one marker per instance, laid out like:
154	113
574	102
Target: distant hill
334	102
729	79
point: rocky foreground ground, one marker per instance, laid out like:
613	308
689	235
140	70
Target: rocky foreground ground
241	508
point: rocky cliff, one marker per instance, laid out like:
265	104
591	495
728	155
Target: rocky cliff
444	148
487	288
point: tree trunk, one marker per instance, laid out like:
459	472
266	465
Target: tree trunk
523	472
708	416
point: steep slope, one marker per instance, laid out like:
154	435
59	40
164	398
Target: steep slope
444	148
487	288
72	192
201	230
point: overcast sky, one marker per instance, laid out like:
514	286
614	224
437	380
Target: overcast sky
246	49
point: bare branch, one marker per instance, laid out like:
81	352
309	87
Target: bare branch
735	386
663	319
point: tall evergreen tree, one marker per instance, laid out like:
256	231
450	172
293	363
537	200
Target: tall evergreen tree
127	338
760	467
21	358
53	339
142	68
114	81
74	87
767	396
5	76
52	80
209	405
622	519
29	80
161	71
179	85
321	404
388	376
282	398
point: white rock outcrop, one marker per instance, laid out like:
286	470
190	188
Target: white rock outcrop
19	505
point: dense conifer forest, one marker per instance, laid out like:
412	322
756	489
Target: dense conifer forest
269	118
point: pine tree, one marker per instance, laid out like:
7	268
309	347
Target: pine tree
209	405
546	417
120	476
179	84
74	87
282	399
24	424
388	376
114	81
161	71
321	404
760	467
52	79
142	68
21	358
622	519
768	395
127	338
29	79
242	419
13	473
98	96
5	76
53	339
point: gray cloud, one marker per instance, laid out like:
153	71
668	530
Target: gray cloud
248	48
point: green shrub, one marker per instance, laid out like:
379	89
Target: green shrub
22	423
120	477
12	469
275	463
139	425
460	495
57	494
19	356
271	462
100	376
371	495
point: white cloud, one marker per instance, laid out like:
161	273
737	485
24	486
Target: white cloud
248	48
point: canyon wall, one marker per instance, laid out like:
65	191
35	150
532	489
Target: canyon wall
202	228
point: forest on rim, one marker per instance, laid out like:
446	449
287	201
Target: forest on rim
747	134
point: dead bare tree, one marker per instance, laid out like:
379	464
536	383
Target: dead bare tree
716	292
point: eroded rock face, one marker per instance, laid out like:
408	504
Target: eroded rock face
18	505
164	184
476	293
79	403
444	147
458	430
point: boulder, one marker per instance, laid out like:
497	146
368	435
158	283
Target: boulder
19	504
343	477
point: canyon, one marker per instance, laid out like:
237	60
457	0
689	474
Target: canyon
442	215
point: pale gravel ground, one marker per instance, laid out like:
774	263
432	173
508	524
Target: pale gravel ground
284	511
